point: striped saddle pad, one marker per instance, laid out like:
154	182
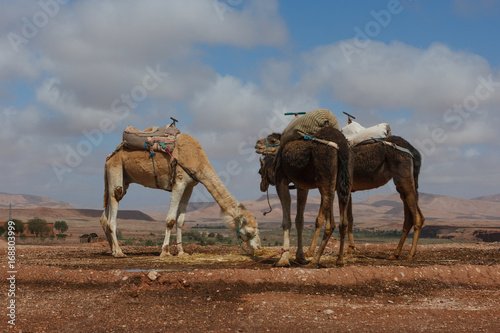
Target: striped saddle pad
308	124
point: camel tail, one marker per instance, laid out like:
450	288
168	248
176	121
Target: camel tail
105	187
417	163
344	181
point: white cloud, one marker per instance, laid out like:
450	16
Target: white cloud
99	50
14	66
71	116
228	104
394	76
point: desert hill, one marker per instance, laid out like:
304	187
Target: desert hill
54	214
30	201
494	198
26	206
435	208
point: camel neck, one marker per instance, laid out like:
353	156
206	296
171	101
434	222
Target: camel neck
221	195
191	156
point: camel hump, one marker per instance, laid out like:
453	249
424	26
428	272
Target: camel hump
189	152
308	124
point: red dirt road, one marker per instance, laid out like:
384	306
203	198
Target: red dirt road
81	288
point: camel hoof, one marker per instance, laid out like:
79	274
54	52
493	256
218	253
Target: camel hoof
314	264
119	255
393	257
282	263
183	254
340	263
165	254
302	261
409	258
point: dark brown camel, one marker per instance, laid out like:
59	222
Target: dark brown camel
311	164
375	164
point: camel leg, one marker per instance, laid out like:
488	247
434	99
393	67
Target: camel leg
180	218
317	231
326	213
116	190
342	232
175	200
407	225
413	218
299	224
116	250
350	224
284	195
344	224
418	223
318	226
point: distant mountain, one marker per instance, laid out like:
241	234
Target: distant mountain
434	207
52	214
376	211
30	201
26	206
493	198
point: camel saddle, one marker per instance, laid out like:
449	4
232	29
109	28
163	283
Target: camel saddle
308	124
154	139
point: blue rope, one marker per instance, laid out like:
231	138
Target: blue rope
238	235
268	145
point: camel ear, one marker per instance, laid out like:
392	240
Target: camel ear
261	161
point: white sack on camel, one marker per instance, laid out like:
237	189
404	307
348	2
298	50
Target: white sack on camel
355	133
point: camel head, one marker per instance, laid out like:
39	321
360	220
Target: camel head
266	172
245	225
268	145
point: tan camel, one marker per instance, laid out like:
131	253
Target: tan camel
191	166
375	164
311	164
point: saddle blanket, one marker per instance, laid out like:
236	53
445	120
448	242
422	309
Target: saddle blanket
308	124
355	133
152	138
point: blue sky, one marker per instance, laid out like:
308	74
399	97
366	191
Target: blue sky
228	70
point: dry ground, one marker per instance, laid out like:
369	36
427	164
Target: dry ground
81	288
